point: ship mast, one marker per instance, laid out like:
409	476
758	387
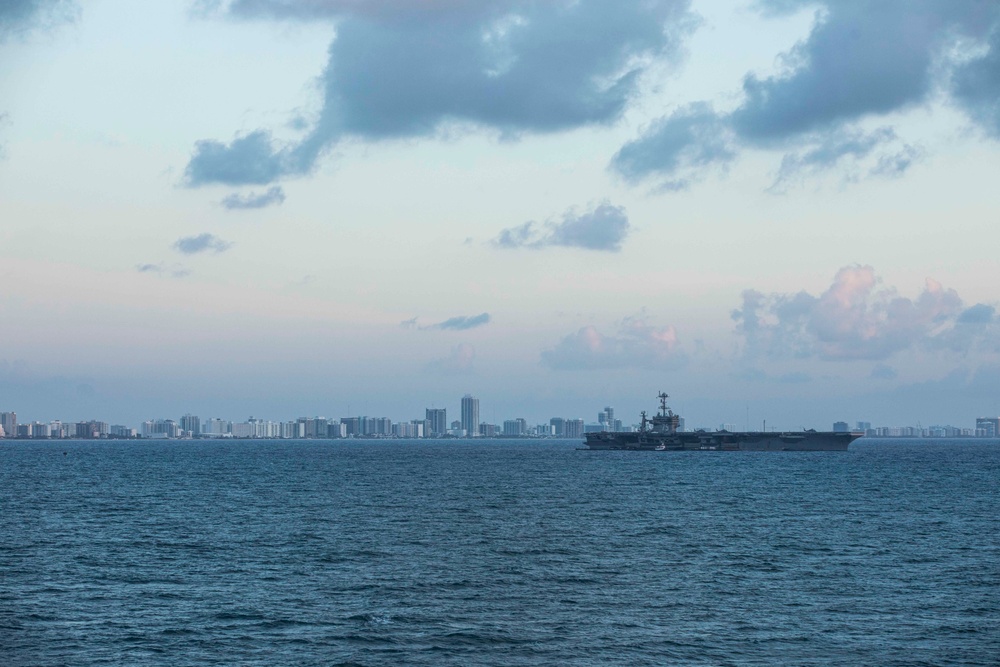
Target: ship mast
663	402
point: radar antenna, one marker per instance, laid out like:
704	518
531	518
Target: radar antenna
663	402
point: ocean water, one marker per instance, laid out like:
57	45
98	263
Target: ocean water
497	553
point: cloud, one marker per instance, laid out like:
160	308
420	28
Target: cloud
603	228
852	319
980	313
831	150
21	16
636	345
846	69
844	73
175	271
404	69
462	323
273	195
190	245
976	86
678	147
459	323
977	328
459	361
249	159
894	165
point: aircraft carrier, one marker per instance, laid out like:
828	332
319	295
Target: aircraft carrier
661	433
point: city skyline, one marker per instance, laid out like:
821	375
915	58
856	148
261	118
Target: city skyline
434	425
773	210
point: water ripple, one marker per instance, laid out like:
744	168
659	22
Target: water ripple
497	553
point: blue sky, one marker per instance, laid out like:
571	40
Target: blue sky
776	208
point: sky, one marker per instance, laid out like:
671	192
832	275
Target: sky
773	210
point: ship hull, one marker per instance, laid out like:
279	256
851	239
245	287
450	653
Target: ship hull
801	441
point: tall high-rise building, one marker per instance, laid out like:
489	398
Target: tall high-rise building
383	426
191	424
606	418
293	429
573	428
438	418
8	420
470	415
352	426
558	425
315	427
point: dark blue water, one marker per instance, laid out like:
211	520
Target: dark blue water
497	553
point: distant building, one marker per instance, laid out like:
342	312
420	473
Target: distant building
438	421
191	424
841	427
988	427
470	415
242	430
161	428
215	427
514	427
352	426
606	418
8	421
411	429
573	428
558	425
383	426
315	427
120	431
33	430
59	430
91	429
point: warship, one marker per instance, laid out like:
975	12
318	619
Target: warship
662	433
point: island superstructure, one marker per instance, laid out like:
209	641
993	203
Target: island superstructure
661	433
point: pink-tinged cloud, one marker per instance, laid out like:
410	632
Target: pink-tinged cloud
855	318
636	344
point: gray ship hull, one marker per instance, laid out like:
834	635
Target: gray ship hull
795	441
